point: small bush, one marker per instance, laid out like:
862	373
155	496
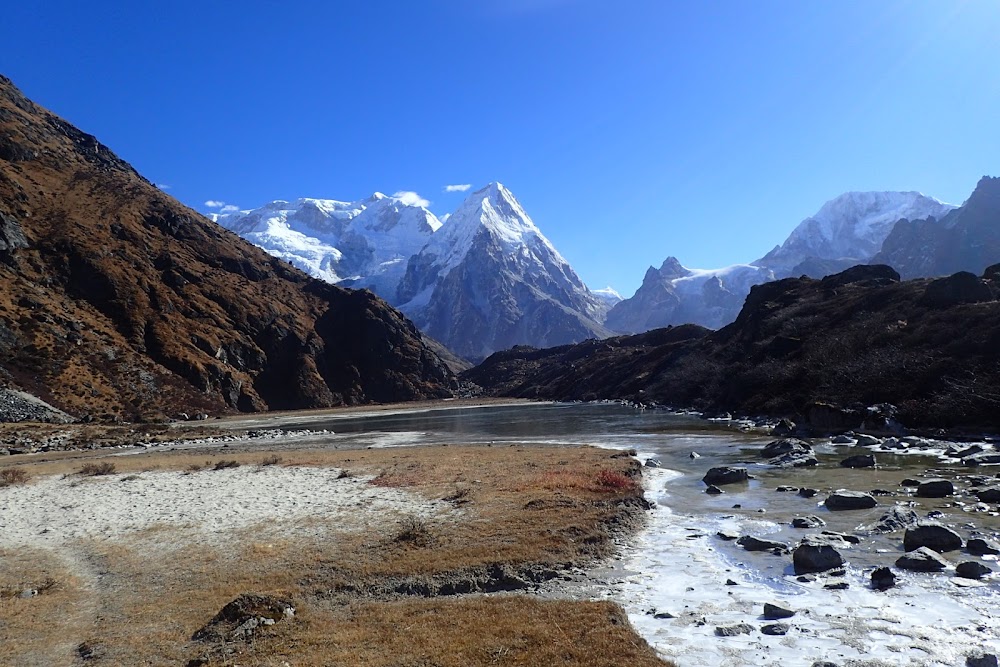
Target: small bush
12	476
271	461
95	469
223	464
344	474
413	531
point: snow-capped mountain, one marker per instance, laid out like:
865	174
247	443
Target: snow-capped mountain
674	294
848	230
360	244
489	279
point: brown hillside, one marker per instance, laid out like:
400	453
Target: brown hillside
118	301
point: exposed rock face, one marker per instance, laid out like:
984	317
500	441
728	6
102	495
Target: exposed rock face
121	302
673	295
966	239
861	342
489	280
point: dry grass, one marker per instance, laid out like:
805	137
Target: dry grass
518	509
98	468
12	477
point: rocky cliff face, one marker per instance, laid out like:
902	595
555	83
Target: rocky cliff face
966	239
117	301
676	295
489	280
854	339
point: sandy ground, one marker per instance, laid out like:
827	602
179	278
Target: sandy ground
210	502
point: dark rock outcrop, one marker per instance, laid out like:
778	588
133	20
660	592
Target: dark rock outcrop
935	488
725	475
812	555
932	536
849	500
922	560
972	570
120	302
883	579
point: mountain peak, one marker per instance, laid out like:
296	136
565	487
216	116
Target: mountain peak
987	191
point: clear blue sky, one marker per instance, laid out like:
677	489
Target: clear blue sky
629	130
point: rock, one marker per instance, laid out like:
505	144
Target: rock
241	618
880	492
733	630
909	482
843	537
694	455
663	614
730	582
980	459
989	494
922	560
727	536
774	612
849	500
785	446
725	475
823	663
653	463
972	570
961	287
842	440
859	461
979	546
813	555
897	518
981	660
783	428
824	417
807	522
935	488
808	493
775	629
837	586
868	440
28	593
969	451
883	579
751	543
933	536
713	490
787	489
794	461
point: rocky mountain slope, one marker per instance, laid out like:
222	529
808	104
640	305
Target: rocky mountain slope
847	230
852	340
966	239
674	295
117	301
489	280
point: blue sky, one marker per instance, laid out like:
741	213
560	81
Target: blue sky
630	131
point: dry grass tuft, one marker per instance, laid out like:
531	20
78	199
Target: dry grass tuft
226	464
12	477
270	461
97	468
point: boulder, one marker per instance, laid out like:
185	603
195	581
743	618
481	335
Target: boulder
812	555
733	630
775	629
962	287
932	536
935	488
897	518
653	463
883	579
725	475
859	461
989	494
828	418
785	446
727	536
751	543
922	560
783	428
843	537
972	570
794	460
849	500
808	493
868	440
842	440
774	612
810	521
981	459
979	546
981	660
713	490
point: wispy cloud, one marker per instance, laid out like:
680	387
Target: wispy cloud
465	187
444	218
163	186
229	208
213	203
411	198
